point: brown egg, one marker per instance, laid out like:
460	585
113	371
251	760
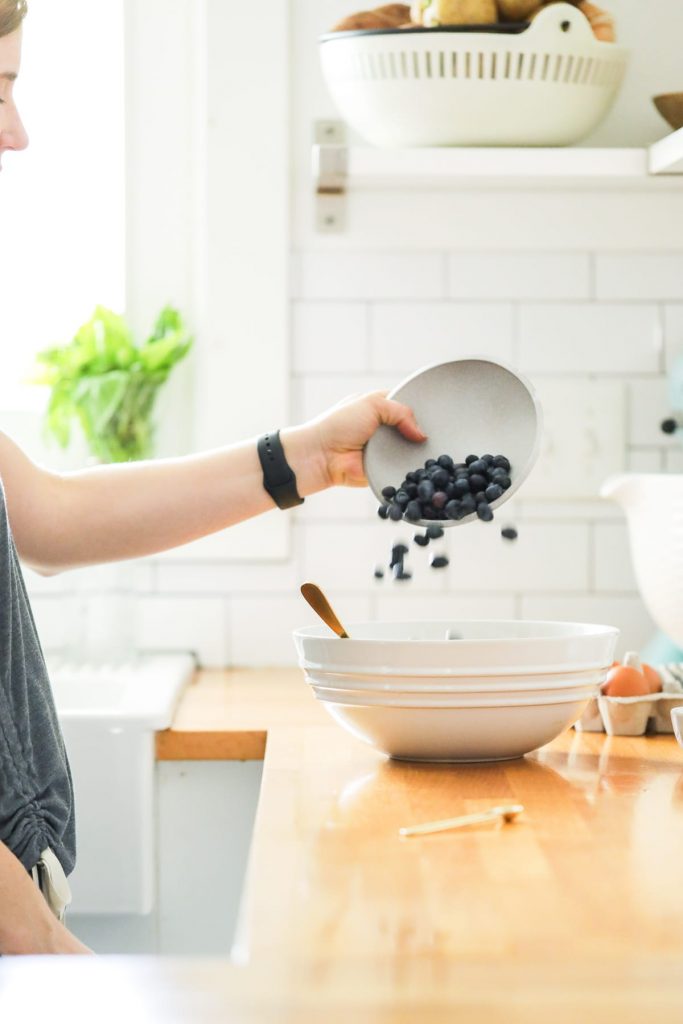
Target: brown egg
627	680
398	14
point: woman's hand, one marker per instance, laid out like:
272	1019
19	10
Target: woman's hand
335	440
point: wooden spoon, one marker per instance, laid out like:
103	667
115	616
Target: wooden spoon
322	607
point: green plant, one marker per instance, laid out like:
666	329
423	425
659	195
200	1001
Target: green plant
105	382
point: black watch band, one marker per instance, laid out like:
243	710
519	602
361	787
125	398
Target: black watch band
278	476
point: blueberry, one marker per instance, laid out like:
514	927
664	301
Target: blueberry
478	482
439	562
461	486
400	573
484	512
440	479
397	552
428	512
413	511
452	510
435	532
493	492
395	512
509	533
425	490
421	539
439	500
412	477
445	461
470	459
503	481
402	499
459	467
479	466
488	459
388	492
383	511
669	426
430	462
379	573
501	463
479	497
411	490
468	504
451	491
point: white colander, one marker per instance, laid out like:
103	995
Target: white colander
547	85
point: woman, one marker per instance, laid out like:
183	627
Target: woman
55	522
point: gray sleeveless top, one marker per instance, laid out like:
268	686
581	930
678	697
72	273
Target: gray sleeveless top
36	794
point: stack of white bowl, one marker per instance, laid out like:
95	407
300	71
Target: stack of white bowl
457	691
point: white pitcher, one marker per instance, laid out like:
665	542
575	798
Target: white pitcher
653	503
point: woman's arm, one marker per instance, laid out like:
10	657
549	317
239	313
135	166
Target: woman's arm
27	925
126	511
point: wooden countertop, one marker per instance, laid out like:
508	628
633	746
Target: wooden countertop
575	911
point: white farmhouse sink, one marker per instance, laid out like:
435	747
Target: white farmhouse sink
108	715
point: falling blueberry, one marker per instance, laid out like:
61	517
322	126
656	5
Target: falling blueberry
379	573
383	511
388	492
421	539
669	426
395	513
509	533
439	562
435	532
484	512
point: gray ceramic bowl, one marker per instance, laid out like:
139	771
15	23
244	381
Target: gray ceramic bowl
465	406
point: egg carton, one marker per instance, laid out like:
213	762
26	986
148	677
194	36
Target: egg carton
635	716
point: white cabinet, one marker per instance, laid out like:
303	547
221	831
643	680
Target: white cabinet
204	819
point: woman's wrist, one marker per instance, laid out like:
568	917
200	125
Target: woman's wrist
304	453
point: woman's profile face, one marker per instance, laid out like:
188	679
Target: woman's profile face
12	132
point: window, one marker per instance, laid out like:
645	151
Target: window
62	202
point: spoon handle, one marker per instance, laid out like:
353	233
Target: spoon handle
507	813
319	603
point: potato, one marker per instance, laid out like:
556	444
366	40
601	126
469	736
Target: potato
417	9
517	10
602	23
361	20
398	14
461	12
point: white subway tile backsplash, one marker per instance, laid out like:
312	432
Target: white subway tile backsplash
198	624
405	336
589	338
338	503
674	460
583	438
645	460
261	627
673	336
405	607
315	394
227	578
639	275
628	614
613	563
367	274
649	404
329	337
343	557
519	275
546	556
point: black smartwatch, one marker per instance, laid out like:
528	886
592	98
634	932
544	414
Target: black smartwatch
278	476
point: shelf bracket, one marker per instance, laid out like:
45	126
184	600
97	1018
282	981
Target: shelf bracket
330	173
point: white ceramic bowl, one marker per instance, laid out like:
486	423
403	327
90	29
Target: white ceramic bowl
380	698
457	734
387	682
488	648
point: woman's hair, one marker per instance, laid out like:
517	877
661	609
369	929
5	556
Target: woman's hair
12	13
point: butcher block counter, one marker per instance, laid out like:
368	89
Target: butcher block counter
574	912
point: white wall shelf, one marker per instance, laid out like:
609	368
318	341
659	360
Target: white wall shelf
338	169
